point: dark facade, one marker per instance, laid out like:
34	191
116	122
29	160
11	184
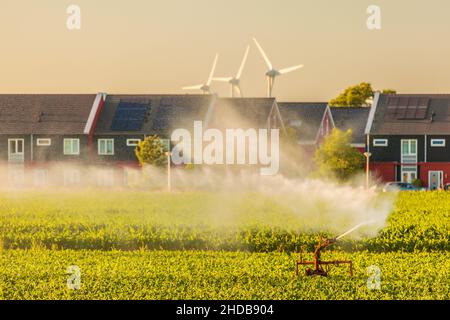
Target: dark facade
409	138
123	151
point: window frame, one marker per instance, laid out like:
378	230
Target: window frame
130	144
380	142
433	143
409	142
72	153
105	153
40	143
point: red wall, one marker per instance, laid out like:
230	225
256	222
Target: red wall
383	170
386	170
434	166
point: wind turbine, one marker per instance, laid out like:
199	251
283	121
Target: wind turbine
206	87
235	81
273	73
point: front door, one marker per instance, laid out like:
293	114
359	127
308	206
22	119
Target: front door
16	150
435	179
409	176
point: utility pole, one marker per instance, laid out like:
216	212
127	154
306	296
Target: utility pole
169	179
367	154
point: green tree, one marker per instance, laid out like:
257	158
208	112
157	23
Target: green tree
389	91
336	158
151	151
359	95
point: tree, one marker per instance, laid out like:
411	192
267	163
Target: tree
357	96
336	158
389	91
151	151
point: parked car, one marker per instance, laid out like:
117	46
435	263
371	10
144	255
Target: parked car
447	187
400	186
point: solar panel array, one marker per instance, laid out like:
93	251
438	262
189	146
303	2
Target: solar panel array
164	115
169	115
407	108
129	116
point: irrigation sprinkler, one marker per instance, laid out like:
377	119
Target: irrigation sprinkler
320	267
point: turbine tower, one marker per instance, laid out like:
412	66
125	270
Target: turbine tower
272	73
235	81
206	87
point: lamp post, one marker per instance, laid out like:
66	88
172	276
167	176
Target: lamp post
169	179
367	155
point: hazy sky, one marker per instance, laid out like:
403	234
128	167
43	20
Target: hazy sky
149	46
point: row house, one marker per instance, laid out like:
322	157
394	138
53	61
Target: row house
70	133
409	138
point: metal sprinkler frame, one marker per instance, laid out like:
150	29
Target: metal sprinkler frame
318	264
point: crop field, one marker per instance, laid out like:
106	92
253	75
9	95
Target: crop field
41	274
148	245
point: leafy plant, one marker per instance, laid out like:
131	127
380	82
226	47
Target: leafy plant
151	151
336	158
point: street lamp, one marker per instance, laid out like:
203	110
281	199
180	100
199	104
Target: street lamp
169	179
367	155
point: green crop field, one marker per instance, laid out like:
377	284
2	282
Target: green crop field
144	245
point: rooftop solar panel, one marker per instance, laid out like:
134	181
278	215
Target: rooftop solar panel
407	108
422	108
129	116
412	108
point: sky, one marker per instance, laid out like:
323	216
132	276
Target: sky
158	46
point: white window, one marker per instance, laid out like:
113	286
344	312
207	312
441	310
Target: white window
409	147
133	142
16	150
44	142
438	142
380	142
106	147
409	174
71	146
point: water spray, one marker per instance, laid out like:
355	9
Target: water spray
318	264
353	229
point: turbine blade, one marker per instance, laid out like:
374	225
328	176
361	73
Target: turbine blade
290	69
224	79
212	70
243	63
197	87
269	64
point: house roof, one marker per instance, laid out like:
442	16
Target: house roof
44	113
164	112
241	113
304	116
411	114
353	118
